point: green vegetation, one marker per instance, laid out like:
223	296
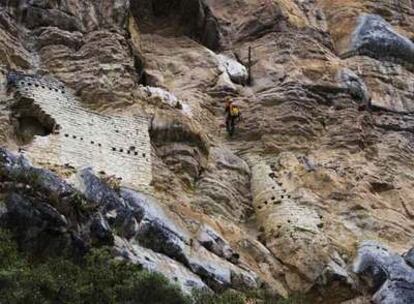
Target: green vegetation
99	279
251	297
296	299
228	297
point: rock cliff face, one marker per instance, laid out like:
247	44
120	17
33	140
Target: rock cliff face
320	163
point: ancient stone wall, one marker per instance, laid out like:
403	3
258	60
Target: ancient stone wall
118	146
290	230
274	207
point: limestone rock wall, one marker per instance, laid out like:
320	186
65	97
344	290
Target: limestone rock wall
116	145
322	158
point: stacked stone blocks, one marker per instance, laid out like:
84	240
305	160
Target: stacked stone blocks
114	145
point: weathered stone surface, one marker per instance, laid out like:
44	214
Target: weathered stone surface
193	18
107	217
213	242
71	15
55	36
102	69
236	71
180	143
34	17
12	50
409	257
392	278
390	93
66	130
374	37
355	85
160	263
223	188
345	171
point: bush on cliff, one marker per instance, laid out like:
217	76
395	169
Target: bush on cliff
250	297
99	279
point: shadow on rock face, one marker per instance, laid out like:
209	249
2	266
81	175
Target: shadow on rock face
192	18
29	121
35	17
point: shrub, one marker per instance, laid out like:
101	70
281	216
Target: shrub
100	279
228	297
294	299
250	297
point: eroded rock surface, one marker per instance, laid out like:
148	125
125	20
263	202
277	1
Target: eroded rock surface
49	216
376	38
321	160
392	278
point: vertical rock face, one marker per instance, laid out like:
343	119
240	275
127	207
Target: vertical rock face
224	186
292	231
193	18
321	159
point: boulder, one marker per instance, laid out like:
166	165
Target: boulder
215	243
224	86
18	168
236	71
162	96
152	261
97	191
156	231
376	38
392	277
37	226
160	234
219	274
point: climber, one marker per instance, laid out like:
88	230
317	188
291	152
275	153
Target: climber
232	114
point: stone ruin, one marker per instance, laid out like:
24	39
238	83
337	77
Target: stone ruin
54	129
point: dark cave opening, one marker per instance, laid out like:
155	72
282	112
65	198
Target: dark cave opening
192	18
162	8
29	121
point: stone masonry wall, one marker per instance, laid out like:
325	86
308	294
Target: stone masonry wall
118	146
274	206
290	228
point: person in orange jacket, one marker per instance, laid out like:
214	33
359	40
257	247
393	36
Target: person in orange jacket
232	115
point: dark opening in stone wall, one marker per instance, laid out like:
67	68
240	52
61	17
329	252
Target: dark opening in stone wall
29	120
